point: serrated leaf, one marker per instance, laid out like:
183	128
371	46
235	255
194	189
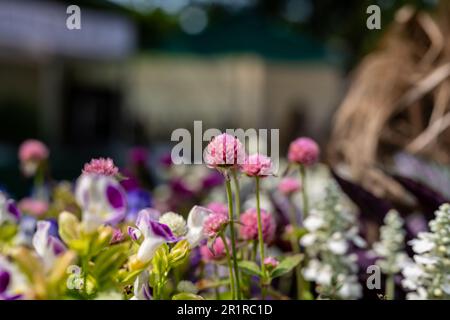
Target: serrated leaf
249	267
187	296
286	265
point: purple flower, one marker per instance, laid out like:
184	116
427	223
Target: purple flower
47	246
12	282
154	233
8	210
102	200
137	200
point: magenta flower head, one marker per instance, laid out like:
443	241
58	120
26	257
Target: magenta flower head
101	166
218	207
31	154
257	165
224	151
216	252
249	225
33	150
304	151
288	186
271	263
214	224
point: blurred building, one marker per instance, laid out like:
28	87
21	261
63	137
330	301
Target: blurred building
93	91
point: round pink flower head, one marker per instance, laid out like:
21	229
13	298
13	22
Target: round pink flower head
304	151
218	207
249	225
214	223
257	165
288	186
218	251
271	263
224	151
33	150
101	166
33	206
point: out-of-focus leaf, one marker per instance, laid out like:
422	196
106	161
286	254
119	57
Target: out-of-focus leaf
371	207
187	296
286	265
429	199
249	267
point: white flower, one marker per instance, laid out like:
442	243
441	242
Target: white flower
14	283
175	222
422	244
311	270
308	239
195	221
313	222
324	275
47	247
337	244
102	200
350	288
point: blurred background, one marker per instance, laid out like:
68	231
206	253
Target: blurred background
138	69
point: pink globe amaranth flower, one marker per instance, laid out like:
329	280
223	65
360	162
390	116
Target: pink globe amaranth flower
271	263
101	166
288	186
33	206
304	151
249	225
33	150
224	151
214	223
257	165
218	251
218	207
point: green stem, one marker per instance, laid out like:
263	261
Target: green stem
390	287
230	267
304	192
298	271
216	275
233	238
237	196
260	238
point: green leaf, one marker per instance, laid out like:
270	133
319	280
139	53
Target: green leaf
286	265
187	296
249	267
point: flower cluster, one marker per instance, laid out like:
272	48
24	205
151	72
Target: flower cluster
428	277
331	231
390	248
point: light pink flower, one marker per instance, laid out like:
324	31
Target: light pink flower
214	224
257	165
224	150
289	185
101	166
218	207
33	206
249	225
304	151
33	150
271	263
218	250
